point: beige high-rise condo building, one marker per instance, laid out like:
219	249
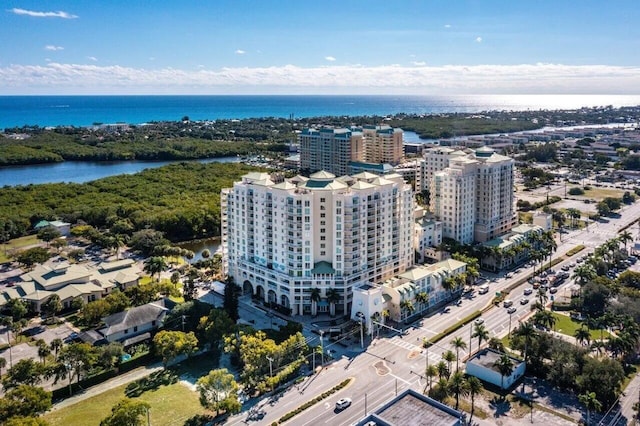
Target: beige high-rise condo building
332	150
305	243
473	195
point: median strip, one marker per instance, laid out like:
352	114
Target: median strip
314	401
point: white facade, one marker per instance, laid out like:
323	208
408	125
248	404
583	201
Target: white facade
435	160
370	301
282	240
543	220
483	366
427	237
473	196
453	199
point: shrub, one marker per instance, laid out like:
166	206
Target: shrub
575	250
314	401
576	191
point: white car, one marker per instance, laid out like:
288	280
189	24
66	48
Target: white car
528	291
343	403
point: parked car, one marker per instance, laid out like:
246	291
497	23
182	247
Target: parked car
553	290
343	403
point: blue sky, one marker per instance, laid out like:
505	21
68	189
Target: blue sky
316	47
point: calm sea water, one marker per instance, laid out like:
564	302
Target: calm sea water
86	110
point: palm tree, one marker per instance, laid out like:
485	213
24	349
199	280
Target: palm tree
315	298
422	298
542	297
574	214
584	273
385	315
449	284
496	344
3	364
475	388
116	242
545	319
449	357
458	386
504	364
481	332
333	297
625	237
497	254
458	343
407	307
431	372
443	371
582	335
55	346
528	333
599	346
43	351
590	402
155	265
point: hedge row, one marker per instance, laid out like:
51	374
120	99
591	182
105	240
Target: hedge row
575	250
429	342
314	401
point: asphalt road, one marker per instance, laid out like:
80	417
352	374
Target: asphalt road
397	361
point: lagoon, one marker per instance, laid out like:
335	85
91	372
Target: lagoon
83	171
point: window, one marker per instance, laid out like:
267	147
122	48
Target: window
135	328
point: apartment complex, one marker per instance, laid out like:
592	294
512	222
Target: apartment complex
282	240
383	144
332	149
473	194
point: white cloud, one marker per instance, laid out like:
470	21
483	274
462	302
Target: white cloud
478	39
240	52
447	25
36	14
418	63
58	78
92	58
53	48
330	58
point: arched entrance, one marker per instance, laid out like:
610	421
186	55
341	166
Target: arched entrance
247	288
284	301
272	297
260	292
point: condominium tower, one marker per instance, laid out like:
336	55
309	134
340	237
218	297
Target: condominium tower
473	196
332	150
282	241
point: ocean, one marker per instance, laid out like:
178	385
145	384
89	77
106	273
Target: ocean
17	111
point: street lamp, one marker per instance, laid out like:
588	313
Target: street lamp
321	348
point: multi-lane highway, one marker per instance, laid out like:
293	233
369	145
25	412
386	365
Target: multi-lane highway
392	363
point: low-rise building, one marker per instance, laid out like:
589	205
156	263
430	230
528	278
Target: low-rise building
484	366
70	281
132	326
410	293
412	408
510	249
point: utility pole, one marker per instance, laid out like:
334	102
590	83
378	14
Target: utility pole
361	334
365	405
183	317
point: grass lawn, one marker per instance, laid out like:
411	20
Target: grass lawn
170	405
600	194
17	244
568	326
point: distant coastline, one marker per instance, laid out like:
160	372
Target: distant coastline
51	111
